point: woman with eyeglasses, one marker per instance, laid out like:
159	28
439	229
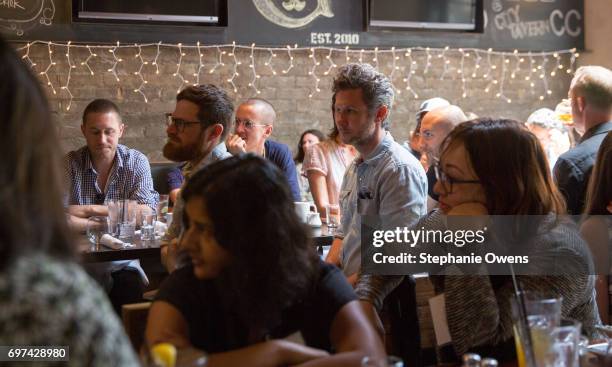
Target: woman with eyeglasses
255	279
495	171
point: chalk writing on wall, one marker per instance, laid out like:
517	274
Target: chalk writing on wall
17	16
557	22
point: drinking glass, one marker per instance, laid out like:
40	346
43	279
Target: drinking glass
122	218
543	316
147	228
389	361
162	206
332	213
97	226
565	344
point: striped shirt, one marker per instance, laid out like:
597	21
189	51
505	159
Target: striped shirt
130	178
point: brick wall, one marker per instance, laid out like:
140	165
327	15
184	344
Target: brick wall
289	92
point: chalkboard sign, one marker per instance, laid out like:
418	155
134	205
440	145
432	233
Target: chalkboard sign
508	24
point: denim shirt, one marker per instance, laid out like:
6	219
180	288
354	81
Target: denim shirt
391	184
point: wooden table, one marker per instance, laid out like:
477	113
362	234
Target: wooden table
321	236
150	249
98	253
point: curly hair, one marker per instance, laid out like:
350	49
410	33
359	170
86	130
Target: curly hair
375	86
251	209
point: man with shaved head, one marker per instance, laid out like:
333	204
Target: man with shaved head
436	125
254	123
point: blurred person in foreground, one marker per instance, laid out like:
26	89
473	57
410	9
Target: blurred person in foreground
255	278
514	195
597	226
46	298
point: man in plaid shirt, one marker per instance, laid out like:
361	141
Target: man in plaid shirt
105	170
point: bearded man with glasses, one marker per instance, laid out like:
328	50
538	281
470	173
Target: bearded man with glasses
197	130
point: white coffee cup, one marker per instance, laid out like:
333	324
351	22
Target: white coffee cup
302	209
314	219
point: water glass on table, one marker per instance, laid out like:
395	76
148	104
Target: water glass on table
147	228
122	218
162	207
97	226
565	344
332	214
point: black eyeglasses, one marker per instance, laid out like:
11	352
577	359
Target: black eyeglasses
178	123
446	179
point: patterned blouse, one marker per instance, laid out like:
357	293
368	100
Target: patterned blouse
48	302
330	159
478	308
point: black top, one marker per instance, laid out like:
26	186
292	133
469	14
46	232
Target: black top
213	329
573	168
431	181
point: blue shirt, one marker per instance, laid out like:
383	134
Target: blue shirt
390	184
573	168
280	154
130	178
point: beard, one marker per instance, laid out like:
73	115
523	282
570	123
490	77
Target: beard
176	152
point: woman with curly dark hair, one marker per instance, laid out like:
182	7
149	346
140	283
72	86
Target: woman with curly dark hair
255	277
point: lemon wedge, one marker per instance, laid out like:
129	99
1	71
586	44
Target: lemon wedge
164	354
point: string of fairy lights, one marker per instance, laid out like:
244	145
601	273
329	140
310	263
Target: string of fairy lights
497	68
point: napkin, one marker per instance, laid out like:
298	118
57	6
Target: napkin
160	228
112	242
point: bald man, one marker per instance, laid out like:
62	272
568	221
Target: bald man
254	124
435	126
